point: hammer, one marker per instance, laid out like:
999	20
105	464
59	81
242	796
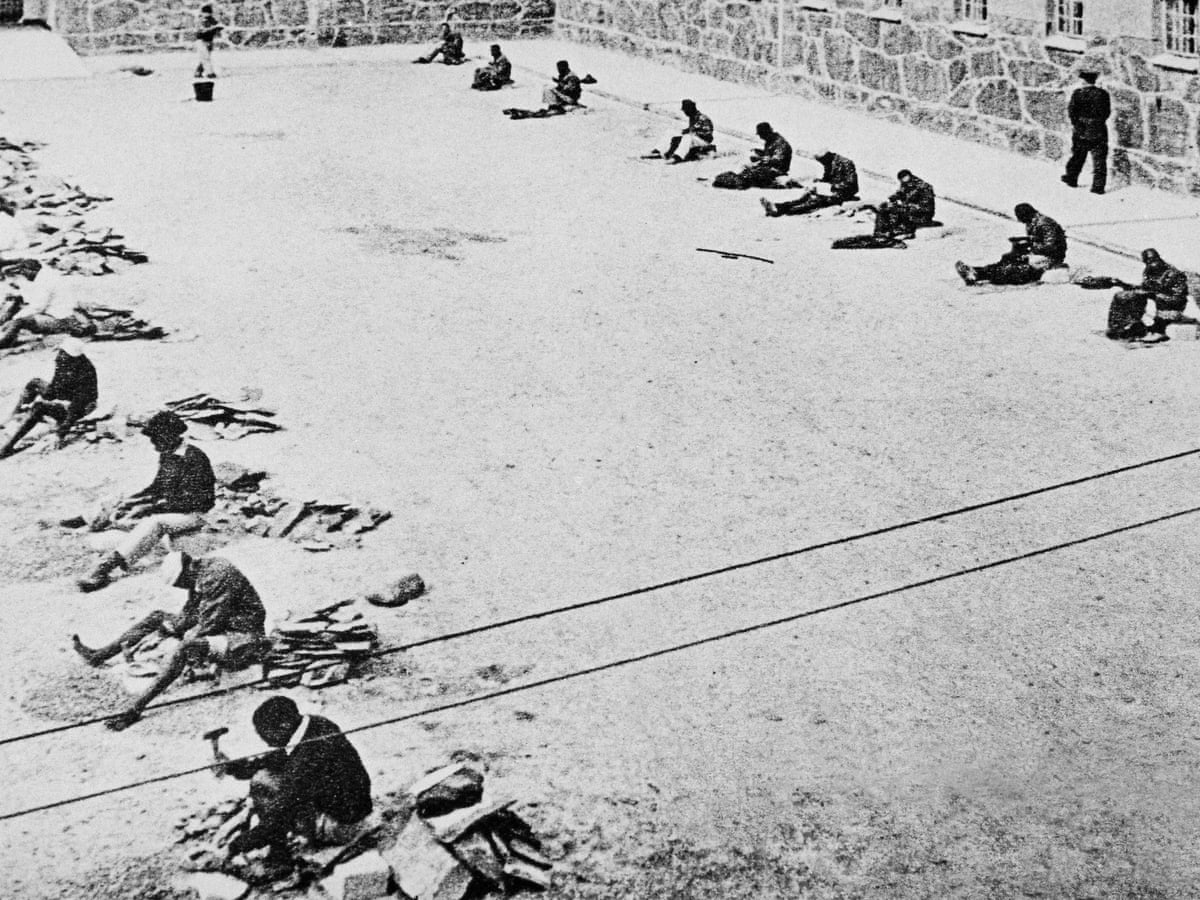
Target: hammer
212	737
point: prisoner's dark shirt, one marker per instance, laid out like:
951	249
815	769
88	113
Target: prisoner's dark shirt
570	87
1169	285
209	29
74	381
322	773
184	483
701	126
776	155
221	600
919	197
1046	238
841	175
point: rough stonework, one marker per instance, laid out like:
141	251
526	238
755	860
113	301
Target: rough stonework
1006	89
112	25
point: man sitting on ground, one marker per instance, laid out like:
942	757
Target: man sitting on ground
566	90
42	307
766	165
696	140
559	97
838	183
172	504
910	208
1044	247
495	74
222	622
1163	284
69	395
451	48
312	784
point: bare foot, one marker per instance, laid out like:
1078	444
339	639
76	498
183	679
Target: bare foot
121	721
90	656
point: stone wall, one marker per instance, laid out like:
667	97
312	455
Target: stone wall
114	25
1006	89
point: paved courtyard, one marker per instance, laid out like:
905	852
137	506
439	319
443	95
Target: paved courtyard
503	332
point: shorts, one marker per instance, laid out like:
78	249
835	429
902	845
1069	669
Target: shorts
237	649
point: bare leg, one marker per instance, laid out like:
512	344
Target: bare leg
100	655
189	651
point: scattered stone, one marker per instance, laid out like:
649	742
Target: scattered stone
216	886
488	840
210	418
423	868
60	236
363	878
320	649
399	592
448	789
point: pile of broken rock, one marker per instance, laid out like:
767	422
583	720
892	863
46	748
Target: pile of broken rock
319	649
54	214
242	502
438	840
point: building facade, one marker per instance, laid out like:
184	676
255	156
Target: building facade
998	72
99	26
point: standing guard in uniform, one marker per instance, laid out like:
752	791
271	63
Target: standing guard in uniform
1089	110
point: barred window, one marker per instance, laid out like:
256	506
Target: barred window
971	10
1180	26
1068	17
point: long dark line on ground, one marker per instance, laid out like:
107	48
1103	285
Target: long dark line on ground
623	595
639	658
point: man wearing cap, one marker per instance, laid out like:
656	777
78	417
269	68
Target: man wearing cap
312	783
222	621
695	141
1043	247
1162	284
70	394
1088	110
766	165
495	74
910	208
174	503
838	184
43	306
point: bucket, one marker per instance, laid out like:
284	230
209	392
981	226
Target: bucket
204	90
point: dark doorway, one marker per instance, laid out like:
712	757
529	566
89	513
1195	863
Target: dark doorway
11	11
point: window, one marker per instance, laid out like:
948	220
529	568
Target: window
1179	27
1068	18
893	4
971	10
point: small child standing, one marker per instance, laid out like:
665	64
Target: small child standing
207	32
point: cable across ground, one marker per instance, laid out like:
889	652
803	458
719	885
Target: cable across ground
624	595
639	658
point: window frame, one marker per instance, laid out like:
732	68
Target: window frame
1183	39
973	11
1068	13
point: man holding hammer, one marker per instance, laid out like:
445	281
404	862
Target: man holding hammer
312	783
